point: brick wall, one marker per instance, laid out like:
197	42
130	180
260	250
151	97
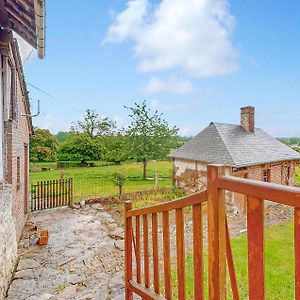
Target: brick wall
16	140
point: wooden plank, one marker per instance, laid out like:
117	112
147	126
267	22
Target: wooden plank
275	192
38	196
167	206
32	197
297	251
138	248
231	270
48	195
60	192
128	250
166	250
145	293
255	225
51	193
146	251
213	234
45	194
198	252
180	254
65	192
55	193
222	241
155	253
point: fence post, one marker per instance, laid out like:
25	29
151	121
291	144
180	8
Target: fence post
71	192
156	181
216	235
128	249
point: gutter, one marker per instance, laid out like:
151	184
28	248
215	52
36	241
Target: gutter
40	13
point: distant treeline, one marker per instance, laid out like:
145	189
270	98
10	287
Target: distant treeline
292	141
147	137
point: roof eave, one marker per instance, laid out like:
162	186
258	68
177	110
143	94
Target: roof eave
39	7
266	162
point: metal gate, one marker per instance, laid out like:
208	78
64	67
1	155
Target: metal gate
51	194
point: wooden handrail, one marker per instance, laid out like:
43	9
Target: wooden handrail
189	200
271	191
142	283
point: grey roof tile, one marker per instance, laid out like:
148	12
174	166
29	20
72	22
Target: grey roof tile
230	144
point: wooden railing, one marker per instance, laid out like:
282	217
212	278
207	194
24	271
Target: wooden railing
51	194
138	272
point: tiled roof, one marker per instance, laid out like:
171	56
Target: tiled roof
229	144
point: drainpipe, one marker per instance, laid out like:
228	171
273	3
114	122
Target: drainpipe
39	7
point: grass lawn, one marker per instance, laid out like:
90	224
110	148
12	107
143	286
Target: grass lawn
297	175
97	181
279	264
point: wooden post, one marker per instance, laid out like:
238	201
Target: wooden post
216	235
128	249
71	192
297	251
156	180
255	226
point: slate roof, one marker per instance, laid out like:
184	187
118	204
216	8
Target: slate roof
229	144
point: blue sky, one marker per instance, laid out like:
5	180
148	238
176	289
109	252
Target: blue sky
195	64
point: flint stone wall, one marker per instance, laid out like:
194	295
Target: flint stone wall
8	239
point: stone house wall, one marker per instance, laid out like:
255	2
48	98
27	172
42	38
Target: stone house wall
8	241
192	177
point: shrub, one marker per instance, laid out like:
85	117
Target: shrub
119	181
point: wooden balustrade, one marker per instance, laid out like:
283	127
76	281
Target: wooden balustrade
151	277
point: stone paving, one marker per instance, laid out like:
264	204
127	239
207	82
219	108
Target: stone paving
83	259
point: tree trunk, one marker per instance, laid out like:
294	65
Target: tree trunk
120	189
145	169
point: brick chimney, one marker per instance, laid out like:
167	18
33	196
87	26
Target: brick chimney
247	118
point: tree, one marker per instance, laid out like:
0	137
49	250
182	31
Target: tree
43	146
150	135
119	181
94	125
116	148
63	136
80	148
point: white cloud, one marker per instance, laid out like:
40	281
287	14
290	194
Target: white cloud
51	122
190	35
172	84
185	131
128	22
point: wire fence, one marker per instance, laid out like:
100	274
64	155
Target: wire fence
94	187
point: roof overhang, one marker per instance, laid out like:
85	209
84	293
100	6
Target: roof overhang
27	19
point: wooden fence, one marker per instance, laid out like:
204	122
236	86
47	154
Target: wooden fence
219	248
51	194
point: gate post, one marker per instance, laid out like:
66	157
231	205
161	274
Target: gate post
128	249
216	234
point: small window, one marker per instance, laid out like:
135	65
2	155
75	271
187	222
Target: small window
18	172
266	174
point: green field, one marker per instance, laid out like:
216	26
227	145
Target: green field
279	264
97	181
297	175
